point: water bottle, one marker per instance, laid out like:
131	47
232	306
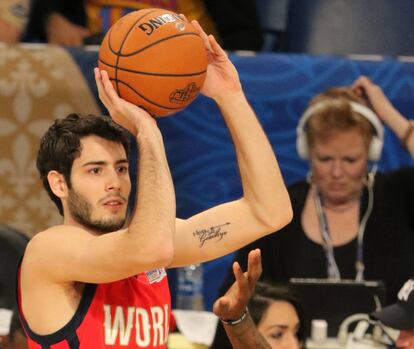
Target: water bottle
190	288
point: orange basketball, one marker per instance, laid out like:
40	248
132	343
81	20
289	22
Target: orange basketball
155	59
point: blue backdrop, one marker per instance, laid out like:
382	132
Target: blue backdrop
278	86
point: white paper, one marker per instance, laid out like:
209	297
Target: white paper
196	326
5	320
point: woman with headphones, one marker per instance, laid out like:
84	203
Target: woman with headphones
350	222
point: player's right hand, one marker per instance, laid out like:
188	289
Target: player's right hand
128	115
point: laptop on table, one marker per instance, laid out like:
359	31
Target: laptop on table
334	301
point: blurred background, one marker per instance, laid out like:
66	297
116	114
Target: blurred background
286	51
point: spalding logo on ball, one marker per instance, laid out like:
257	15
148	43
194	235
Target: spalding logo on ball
155	59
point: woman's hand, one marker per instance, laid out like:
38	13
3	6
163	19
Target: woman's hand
233	304
386	111
61	31
364	87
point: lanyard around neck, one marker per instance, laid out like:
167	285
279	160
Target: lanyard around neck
333	272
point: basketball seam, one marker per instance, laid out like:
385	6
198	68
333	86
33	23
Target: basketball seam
155	43
110	32
120	49
150	73
147	99
119	55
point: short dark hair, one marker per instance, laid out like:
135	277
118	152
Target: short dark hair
265	293
60	145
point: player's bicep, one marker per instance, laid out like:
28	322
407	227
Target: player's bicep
214	233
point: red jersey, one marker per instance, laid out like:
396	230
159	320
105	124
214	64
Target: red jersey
130	313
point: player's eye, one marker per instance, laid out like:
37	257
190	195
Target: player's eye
122	169
95	170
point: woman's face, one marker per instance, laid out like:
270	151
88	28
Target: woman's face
279	325
339	165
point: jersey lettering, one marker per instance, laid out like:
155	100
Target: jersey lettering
143	328
118	326
158	317
149	323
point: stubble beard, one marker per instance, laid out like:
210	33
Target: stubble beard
81	210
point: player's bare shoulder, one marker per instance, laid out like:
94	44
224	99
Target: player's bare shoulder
49	247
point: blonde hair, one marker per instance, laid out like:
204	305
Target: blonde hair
335	115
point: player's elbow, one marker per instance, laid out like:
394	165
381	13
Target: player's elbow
167	255
275	215
287	212
150	258
279	218
163	254
149	252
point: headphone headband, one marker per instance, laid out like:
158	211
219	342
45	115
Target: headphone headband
376	142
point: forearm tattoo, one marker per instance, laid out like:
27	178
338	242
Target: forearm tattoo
216	233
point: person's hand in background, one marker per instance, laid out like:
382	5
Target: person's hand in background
9	33
232	307
233	304
401	126
61	31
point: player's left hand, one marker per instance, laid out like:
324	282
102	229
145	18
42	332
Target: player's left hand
232	305
221	76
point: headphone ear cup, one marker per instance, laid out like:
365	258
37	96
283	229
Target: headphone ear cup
302	145
375	149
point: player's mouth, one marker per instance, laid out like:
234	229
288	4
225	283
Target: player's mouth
116	202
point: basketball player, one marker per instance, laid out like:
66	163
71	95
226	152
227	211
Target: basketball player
90	282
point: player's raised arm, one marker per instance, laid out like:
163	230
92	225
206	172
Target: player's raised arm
265	205
94	192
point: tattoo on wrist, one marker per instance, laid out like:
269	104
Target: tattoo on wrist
216	232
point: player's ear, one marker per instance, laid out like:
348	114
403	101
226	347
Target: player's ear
57	183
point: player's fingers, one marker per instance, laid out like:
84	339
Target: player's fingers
101	90
97	76
108	95
182	15
109	88
215	46
202	34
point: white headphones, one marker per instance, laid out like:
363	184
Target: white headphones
375	148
